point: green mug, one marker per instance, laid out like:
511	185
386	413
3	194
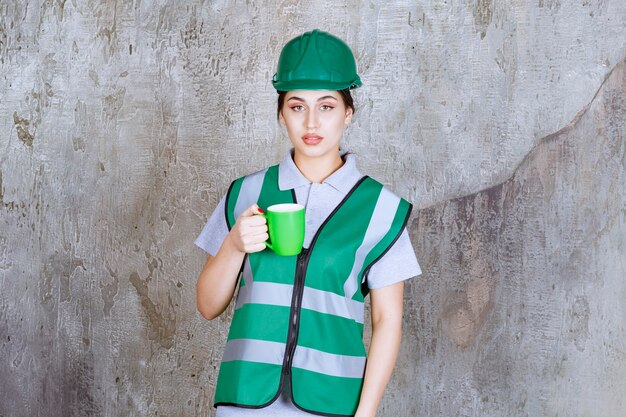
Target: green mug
285	225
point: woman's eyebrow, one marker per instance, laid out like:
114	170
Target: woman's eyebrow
319	99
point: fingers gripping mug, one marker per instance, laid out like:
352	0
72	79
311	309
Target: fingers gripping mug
285	225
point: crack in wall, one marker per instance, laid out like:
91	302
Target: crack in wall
536	226
534	148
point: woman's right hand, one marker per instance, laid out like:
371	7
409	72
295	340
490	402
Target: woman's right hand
250	231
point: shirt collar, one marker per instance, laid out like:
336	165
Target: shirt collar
289	176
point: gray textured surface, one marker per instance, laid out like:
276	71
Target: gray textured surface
522	312
121	124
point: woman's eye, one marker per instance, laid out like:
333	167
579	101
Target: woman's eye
297	108
326	107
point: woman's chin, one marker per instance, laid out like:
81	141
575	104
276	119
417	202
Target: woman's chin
311	151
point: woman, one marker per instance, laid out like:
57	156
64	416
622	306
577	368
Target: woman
295	344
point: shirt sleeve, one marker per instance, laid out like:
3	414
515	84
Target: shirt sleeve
398	264
215	230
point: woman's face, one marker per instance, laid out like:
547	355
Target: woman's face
315	120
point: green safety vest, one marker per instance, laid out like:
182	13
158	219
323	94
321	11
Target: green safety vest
300	318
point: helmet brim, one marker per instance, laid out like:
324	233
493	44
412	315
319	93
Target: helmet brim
315	85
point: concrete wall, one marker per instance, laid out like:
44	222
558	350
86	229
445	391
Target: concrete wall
123	122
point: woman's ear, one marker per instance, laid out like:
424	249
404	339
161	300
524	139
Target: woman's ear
349	113
281	119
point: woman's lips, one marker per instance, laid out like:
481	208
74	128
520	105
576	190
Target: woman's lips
312	139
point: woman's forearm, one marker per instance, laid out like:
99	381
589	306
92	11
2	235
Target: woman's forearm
383	352
217	281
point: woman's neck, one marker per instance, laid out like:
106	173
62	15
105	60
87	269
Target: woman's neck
317	169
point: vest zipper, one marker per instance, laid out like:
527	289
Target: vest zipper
302	264
294	322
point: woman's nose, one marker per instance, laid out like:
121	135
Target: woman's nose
311	119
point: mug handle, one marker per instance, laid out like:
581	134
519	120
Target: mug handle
267	243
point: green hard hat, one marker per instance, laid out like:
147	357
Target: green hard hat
316	60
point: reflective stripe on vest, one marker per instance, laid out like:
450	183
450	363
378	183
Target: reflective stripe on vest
312	359
301	317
